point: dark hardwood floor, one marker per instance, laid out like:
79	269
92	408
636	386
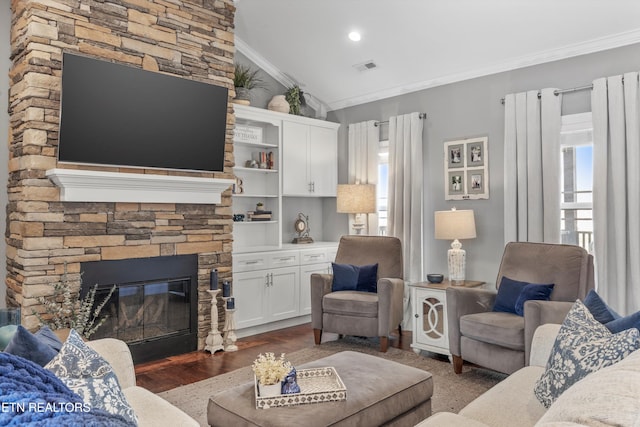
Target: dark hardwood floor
171	372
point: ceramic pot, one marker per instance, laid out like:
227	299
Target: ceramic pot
269	390
279	103
242	96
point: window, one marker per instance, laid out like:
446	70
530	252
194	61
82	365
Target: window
383	186
576	205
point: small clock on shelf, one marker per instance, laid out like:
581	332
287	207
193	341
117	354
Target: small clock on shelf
301	225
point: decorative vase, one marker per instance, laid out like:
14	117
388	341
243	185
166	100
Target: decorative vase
279	103
242	96
269	390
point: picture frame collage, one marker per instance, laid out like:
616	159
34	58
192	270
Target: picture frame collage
466	169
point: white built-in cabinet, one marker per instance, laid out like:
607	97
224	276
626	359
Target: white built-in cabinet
310	159
270	277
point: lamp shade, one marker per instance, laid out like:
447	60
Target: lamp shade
356	198
455	224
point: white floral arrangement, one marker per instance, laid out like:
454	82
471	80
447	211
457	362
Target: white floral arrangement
271	370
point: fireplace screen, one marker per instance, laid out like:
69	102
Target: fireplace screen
143	311
154	306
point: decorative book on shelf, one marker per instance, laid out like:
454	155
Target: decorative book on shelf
259	215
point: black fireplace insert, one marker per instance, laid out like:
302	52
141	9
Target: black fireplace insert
154	306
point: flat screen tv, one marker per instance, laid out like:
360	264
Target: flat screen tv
119	115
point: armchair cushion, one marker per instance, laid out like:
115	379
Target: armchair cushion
532	291
503	329
583	346
345	277
508	294
351	303
512	294
368	278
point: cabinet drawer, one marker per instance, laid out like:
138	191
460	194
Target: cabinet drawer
250	262
313	257
283	259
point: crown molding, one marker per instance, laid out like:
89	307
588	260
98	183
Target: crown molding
577	49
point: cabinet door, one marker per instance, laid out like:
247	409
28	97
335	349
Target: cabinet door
295	141
431	320
249	290
283	293
323	161
305	284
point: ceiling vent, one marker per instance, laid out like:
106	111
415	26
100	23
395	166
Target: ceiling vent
366	65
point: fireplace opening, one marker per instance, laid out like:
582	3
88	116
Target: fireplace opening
153	308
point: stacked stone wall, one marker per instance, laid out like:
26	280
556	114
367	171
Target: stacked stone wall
188	38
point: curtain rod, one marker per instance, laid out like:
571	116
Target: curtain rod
559	91
420	116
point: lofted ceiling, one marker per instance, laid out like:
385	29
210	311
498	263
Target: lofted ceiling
417	44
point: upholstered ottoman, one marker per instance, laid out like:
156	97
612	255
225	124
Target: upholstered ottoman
379	392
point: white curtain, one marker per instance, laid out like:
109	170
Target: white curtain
616	197
532	167
364	139
405	208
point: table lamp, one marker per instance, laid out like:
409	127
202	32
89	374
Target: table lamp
454	225
357	199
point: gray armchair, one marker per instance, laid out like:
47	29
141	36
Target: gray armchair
502	341
361	313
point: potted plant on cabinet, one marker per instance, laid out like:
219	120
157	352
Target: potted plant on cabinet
295	98
244	80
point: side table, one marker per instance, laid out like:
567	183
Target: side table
430	330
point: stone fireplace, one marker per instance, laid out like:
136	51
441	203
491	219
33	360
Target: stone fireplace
189	38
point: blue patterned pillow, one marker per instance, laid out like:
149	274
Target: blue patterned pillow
583	346
85	372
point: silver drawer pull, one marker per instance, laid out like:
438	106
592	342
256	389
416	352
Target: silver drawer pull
251	262
289	258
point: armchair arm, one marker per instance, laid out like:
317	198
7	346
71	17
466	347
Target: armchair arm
390	296
461	301
538	313
320	286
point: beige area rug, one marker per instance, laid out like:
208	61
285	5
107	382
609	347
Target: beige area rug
451	392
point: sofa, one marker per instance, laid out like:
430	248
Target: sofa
608	397
150	409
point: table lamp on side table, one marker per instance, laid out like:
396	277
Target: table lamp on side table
454	225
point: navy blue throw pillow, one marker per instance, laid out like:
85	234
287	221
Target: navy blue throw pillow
623	323
508	294
599	309
28	346
345	277
368	278
47	336
532	291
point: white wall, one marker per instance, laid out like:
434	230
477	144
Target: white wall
5	52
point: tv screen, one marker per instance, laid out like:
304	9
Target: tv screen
118	115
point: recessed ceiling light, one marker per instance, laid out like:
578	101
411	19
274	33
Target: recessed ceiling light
354	36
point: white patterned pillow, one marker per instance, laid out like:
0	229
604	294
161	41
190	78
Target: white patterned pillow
583	346
85	372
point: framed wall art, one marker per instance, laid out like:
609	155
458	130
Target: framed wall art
466	169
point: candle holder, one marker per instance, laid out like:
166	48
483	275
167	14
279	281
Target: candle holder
229	329
214	341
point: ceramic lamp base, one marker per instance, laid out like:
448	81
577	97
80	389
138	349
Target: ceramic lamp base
456	262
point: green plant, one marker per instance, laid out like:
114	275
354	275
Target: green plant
247	78
295	98
65	310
